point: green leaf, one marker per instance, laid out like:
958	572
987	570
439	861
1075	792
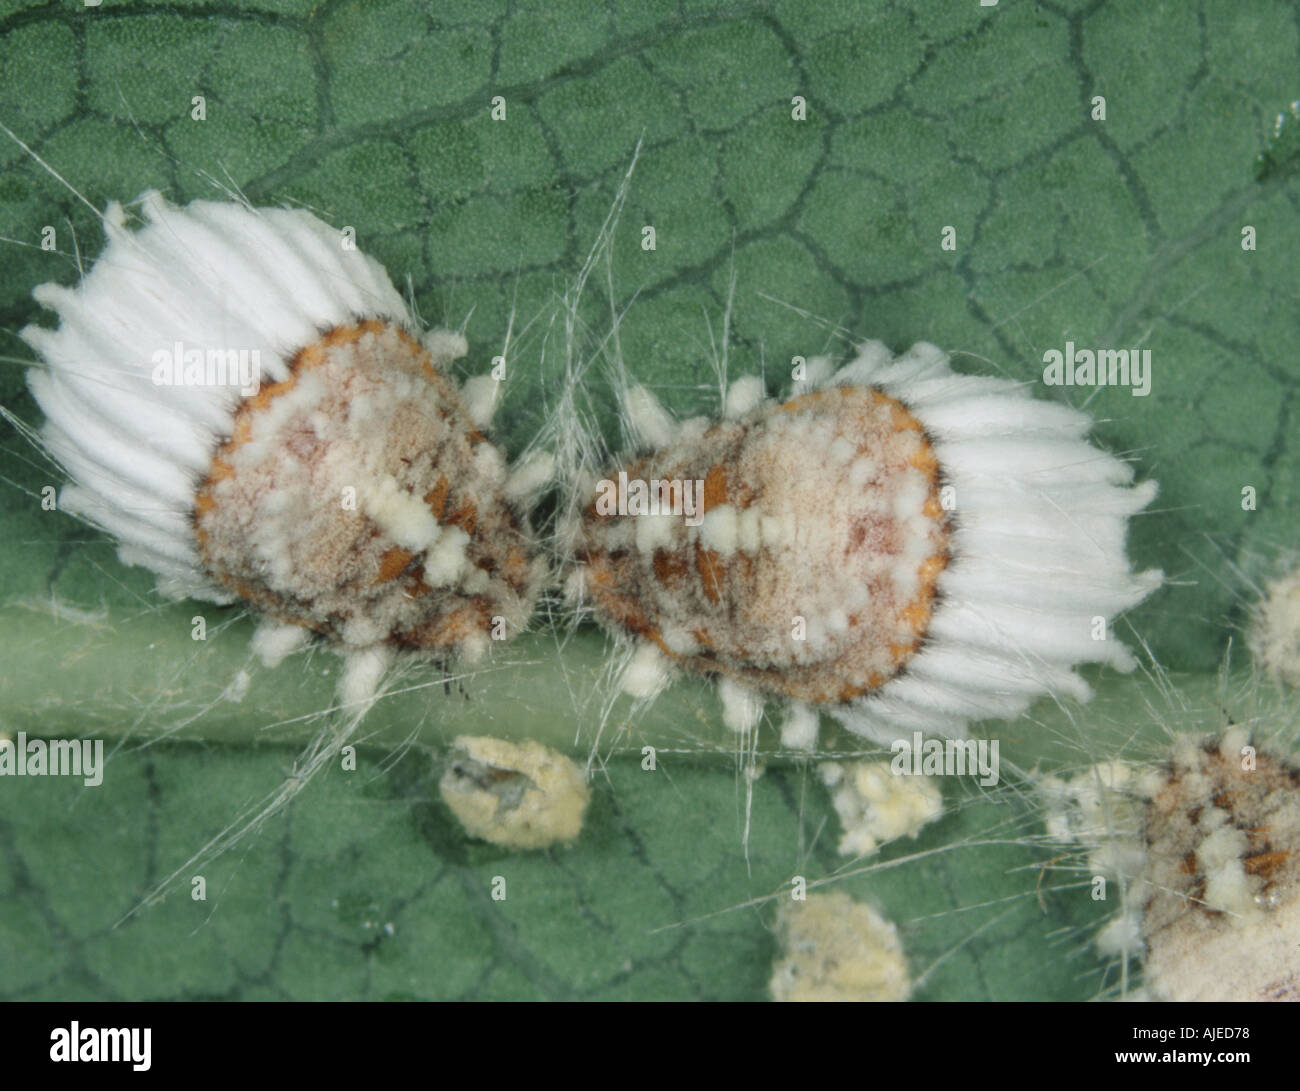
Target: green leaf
1113	233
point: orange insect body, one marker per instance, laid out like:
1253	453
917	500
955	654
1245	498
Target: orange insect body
427	562
813	569
910	548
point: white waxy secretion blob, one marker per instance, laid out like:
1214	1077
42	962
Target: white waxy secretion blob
876	806
519	795
834	949
247	405
1275	629
910	548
